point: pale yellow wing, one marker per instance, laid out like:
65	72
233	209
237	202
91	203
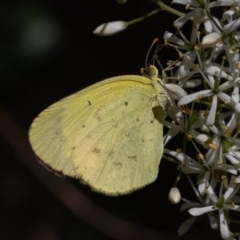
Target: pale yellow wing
107	135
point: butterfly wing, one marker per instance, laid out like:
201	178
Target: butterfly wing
109	135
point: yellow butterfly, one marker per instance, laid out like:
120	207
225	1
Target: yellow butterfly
108	135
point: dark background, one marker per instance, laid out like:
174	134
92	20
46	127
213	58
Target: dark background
48	51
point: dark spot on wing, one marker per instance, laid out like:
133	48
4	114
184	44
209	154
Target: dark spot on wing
118	164
133	157
73	147
89	136
126	103
110	154
96	150
89	103
127	134
97	116
83	126
137	119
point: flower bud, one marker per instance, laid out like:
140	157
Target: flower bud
174	195
110	28
211	39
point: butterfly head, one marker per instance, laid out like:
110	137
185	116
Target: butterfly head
151	71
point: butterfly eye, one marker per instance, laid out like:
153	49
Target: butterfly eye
151	71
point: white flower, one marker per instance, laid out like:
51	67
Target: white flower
184	66
221	204
110	28
216	91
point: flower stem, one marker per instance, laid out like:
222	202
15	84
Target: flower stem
167	8
143	17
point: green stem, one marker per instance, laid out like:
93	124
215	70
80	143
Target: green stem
167	8
234	221
178	179
170	159
222	105
162	7
143	17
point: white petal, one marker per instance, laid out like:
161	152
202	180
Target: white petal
212	156
207	24
212	113
191	166
200	211
191	97
228	15
223	225
212	195
173	131
186	225
179	156
233	207
175	91
230	189
224	97
175	113
236	106
236	141
231	26
173	39
185	2
213	222
235	94
192	169
232	159
192	83
225	167
226	85
221	3
182	20
237	180
188	205
217	71
204	182
200	137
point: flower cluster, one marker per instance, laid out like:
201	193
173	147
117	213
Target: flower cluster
210	63
204	84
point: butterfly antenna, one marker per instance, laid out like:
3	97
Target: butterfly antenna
153	42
